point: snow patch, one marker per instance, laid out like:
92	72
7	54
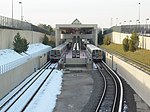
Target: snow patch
10	59
45	100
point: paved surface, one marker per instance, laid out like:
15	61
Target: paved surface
76	91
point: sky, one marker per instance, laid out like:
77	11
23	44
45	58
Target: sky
101	12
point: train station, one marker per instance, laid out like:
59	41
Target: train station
72	71
78	35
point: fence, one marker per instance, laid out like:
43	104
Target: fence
9	66
14	24
10	23
139	28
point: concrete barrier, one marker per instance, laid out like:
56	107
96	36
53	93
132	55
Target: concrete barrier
117	37
12	78
137	79
7	37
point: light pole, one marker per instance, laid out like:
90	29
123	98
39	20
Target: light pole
21	11
124	22
139	13
12	13
139	17
146	28
130	22
116	21
130	25
136	25
111	21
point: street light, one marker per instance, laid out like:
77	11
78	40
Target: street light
139	17
111	21
139	13
136	24
146	28
21	11
116	21
130	25
124	22
12	13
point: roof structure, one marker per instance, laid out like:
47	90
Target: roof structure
76	21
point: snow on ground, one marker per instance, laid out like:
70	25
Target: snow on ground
38	49
45	99
8	55
10	59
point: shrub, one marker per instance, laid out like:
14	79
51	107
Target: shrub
125	44
45	40
131	46
135	38
20	44
106	40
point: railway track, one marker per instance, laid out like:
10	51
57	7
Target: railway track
112	97
29	88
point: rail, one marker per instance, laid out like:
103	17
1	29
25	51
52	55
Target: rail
121	87
13	99
113	92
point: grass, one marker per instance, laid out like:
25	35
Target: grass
140	55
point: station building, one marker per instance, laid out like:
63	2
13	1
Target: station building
84	32
78	35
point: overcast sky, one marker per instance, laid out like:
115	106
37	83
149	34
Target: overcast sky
87	11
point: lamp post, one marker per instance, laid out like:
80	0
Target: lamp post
139	13
146	28
21	11
116	21
130	25
111	21
124	22
130	22
12	13
136	24
139	17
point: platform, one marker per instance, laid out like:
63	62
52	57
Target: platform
82	61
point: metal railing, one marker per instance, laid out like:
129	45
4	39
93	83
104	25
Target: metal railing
10	23
6	22
9	66
139	28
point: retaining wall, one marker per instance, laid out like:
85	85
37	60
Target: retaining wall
12	78
117	37
137	79
7	37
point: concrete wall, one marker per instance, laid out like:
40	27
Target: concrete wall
7	37
137	79
11	79
117	38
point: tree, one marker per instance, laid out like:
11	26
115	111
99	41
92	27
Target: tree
45	40
125	43
100	37
106	40
20	44
131	46
47	27
135	39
